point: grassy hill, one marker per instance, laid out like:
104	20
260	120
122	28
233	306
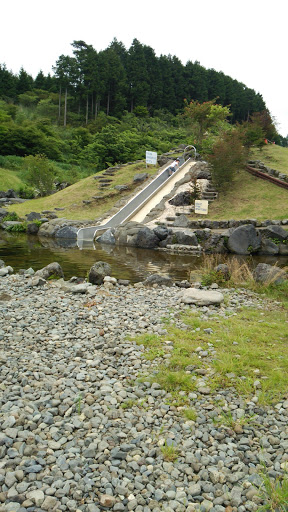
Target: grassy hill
9	179
273	156
250	197
71	198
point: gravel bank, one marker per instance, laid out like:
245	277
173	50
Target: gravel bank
79	433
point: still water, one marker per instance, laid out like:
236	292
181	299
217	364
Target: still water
22	251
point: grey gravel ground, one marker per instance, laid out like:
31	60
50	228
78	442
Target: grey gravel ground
68	444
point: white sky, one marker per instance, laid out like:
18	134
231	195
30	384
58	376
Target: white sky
247	39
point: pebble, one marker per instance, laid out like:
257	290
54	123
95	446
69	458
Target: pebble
68	443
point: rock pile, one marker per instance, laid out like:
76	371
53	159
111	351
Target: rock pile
79	432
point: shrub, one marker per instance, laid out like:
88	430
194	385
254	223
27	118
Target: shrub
228	155
40	173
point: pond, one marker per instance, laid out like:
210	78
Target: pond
22	251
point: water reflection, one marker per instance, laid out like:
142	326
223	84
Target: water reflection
21	251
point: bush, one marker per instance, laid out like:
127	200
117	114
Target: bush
40	173
11	217
228	155
25	192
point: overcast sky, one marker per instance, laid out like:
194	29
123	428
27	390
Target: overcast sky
247	40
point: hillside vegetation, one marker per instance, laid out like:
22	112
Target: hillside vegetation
71	199
250	197
273	156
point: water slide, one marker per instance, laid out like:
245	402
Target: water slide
143	202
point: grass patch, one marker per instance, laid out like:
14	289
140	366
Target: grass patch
9	179
273	156
250	354
170	452
71	198
189	414
274	493
250	198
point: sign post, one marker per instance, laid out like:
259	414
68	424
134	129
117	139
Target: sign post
151	158
201	207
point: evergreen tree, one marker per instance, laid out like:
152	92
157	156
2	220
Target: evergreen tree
24	83
137	73
8	83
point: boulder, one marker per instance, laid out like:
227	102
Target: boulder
11	193
107	237
184	238
275	233
33	216
98	271
52	270
140	177
283	249
182	222
4	271
158	280
201	297
32	228
215	244
135	234
3	213
67	232
11	223
223	270
2	263
268	247
162	232
181	199
267	274
244	240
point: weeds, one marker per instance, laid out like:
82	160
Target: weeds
274	492
190	414
170	452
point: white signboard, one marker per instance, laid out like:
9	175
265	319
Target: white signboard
151	157
201	207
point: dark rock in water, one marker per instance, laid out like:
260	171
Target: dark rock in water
107	237
67	232
265	273
244	240
2	264
184	238
158	279
146	238
215	244
32	229
98	271
33	216
162	232
268	247
51	270
135	234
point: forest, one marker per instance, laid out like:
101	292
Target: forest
100	108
